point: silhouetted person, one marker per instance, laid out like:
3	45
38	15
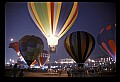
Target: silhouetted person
21	73
15	70
60	71
68	72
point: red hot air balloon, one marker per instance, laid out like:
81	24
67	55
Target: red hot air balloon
79	46
107	40
43	58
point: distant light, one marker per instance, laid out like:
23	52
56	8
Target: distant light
36	66
13	61
110	63
93	61
11	39
12	64
8	63
89	60
61	62
105	68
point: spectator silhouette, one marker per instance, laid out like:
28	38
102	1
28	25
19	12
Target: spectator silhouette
68	72
21	73
15	70
60	72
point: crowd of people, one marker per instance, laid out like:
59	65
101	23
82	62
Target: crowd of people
71	72
82	72
17	72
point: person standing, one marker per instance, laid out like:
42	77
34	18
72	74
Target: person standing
21	73
60	71
68	71
15	70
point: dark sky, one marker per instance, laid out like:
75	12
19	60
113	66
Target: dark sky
92	17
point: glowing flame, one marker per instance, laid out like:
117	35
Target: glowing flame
52	42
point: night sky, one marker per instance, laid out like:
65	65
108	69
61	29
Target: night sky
92	17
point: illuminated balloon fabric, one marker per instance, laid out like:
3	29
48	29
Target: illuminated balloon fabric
30	47
43	58
15	46
34	62
53	18
19	62
107	40
79	45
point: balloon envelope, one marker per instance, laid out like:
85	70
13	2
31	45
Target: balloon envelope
43	58
79	45
107	40
15	46
19	62
30	47
33	63
54	19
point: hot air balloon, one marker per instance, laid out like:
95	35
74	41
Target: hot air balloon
30	47
54	19
79	46
43	58
15	46
107	40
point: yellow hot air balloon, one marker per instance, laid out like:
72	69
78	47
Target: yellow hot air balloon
54	19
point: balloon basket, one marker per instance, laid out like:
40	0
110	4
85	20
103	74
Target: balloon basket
52	49
79	71
80	64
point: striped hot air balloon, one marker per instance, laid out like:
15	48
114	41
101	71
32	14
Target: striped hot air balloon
79	45
53	19
107	40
